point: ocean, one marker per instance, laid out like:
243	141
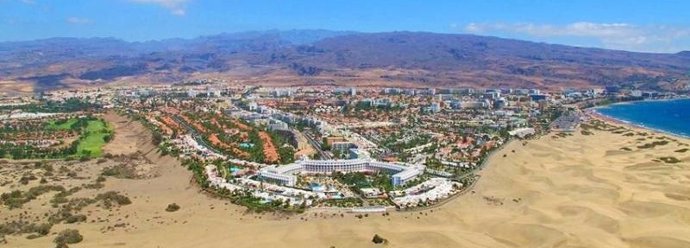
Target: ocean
672	116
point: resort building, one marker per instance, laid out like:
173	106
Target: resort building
522	132
286	174
433	189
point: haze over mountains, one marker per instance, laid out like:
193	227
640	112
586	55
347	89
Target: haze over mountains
306	57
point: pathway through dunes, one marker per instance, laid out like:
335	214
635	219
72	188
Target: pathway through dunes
572	191
130	136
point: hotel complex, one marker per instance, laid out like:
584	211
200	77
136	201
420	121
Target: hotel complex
286	174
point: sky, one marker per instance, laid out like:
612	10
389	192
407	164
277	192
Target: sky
635	25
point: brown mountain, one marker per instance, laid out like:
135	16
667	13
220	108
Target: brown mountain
318	56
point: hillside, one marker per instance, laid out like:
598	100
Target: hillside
319	56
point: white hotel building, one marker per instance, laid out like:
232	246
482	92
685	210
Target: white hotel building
286	174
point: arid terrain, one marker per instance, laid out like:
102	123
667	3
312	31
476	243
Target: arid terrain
320	57
602	186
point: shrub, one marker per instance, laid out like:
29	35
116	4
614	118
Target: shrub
20	227
111	197
26	178
100	179
75	218
378	239
120	171
33	236
68	236
96	185
172	207
16	199
670	160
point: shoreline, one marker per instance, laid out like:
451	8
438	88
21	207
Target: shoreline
607	118
594	111
638	101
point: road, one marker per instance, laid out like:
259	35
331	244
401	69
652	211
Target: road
317	146
195	134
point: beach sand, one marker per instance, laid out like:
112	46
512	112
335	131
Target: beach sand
556	191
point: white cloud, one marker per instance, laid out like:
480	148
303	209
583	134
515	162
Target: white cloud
176	7
649	38
78	20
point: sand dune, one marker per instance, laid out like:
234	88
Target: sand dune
577	191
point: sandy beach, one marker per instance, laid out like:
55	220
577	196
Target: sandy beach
589	189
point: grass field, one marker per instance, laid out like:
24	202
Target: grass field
93	141
63	126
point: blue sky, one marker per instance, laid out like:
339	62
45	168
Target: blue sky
638	25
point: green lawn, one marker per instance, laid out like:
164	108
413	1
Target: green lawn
95	126
93	141
64	126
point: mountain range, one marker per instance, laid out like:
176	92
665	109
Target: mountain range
312	57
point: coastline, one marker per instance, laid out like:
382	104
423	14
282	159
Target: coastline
639	101
593	112
648	100
613	120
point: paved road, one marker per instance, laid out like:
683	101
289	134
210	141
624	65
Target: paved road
317	146
195	134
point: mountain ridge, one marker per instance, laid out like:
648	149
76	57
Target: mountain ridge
416	58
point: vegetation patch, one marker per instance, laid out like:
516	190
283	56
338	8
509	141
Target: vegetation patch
113	198
68	236
69	105
97	134
64	124
95	185
86	134
75	218
61	197
682	150
670	160
172	207
359	180
255	204
653	144
563	134
120	171
21	227
17	198
379	240
344	203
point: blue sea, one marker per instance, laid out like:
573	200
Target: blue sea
672	116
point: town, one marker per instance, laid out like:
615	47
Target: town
361	149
